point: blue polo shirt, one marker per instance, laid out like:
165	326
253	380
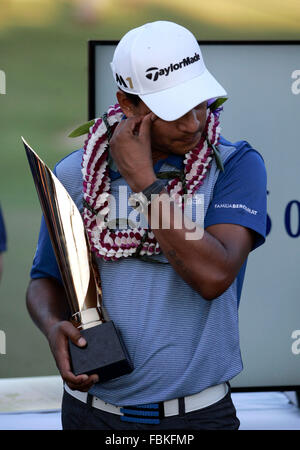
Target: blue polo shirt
179	343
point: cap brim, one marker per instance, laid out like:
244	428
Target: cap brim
175	102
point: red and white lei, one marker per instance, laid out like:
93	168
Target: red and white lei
114	244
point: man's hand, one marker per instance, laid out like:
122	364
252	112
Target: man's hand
58	341
48	307
131	150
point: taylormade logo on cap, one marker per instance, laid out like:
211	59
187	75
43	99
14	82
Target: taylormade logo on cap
154	72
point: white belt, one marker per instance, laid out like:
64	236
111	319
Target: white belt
171	407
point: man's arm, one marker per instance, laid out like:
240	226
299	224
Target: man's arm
208	264
47	305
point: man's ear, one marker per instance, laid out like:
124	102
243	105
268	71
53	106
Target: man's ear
125	104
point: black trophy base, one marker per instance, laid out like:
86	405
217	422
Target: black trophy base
105	353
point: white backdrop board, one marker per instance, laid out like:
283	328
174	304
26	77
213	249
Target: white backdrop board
263	107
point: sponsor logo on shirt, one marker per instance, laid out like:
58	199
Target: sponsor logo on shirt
236	206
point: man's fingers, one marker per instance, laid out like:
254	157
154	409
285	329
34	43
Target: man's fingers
80	381
74	334
133	125
136	125
58	340
80	384
146	124
64	365
130	123
76	381
60	348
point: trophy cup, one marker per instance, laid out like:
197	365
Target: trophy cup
105	352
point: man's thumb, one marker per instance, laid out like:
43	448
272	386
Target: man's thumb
75	337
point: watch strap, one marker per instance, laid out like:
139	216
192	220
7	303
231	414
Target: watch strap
154	188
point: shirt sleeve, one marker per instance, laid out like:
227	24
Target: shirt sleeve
240	194
3	242
44	263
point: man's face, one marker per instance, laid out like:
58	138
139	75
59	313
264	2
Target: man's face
178	136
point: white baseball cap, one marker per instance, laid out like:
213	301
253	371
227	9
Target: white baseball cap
162	63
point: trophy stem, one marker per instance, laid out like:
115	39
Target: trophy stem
91	312
87	318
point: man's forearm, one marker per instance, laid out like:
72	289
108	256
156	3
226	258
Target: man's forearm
197	256
46	302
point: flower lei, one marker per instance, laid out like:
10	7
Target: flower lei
108	244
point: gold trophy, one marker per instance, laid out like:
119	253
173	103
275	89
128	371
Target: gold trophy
105	352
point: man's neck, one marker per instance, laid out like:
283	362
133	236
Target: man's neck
158	155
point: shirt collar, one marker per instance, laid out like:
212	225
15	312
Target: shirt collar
172	160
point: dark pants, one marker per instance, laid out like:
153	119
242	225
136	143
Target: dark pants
77	415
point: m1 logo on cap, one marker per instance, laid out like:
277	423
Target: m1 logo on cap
121	82
154	72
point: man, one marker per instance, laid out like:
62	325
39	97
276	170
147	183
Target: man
173	291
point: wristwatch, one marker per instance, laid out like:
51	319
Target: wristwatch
141	200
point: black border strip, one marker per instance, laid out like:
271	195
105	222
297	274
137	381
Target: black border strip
92	44
91	79
266	389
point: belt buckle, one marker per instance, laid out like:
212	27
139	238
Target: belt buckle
150	413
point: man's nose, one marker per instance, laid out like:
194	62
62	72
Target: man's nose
189	123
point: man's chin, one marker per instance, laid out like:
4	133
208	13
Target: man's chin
185	148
